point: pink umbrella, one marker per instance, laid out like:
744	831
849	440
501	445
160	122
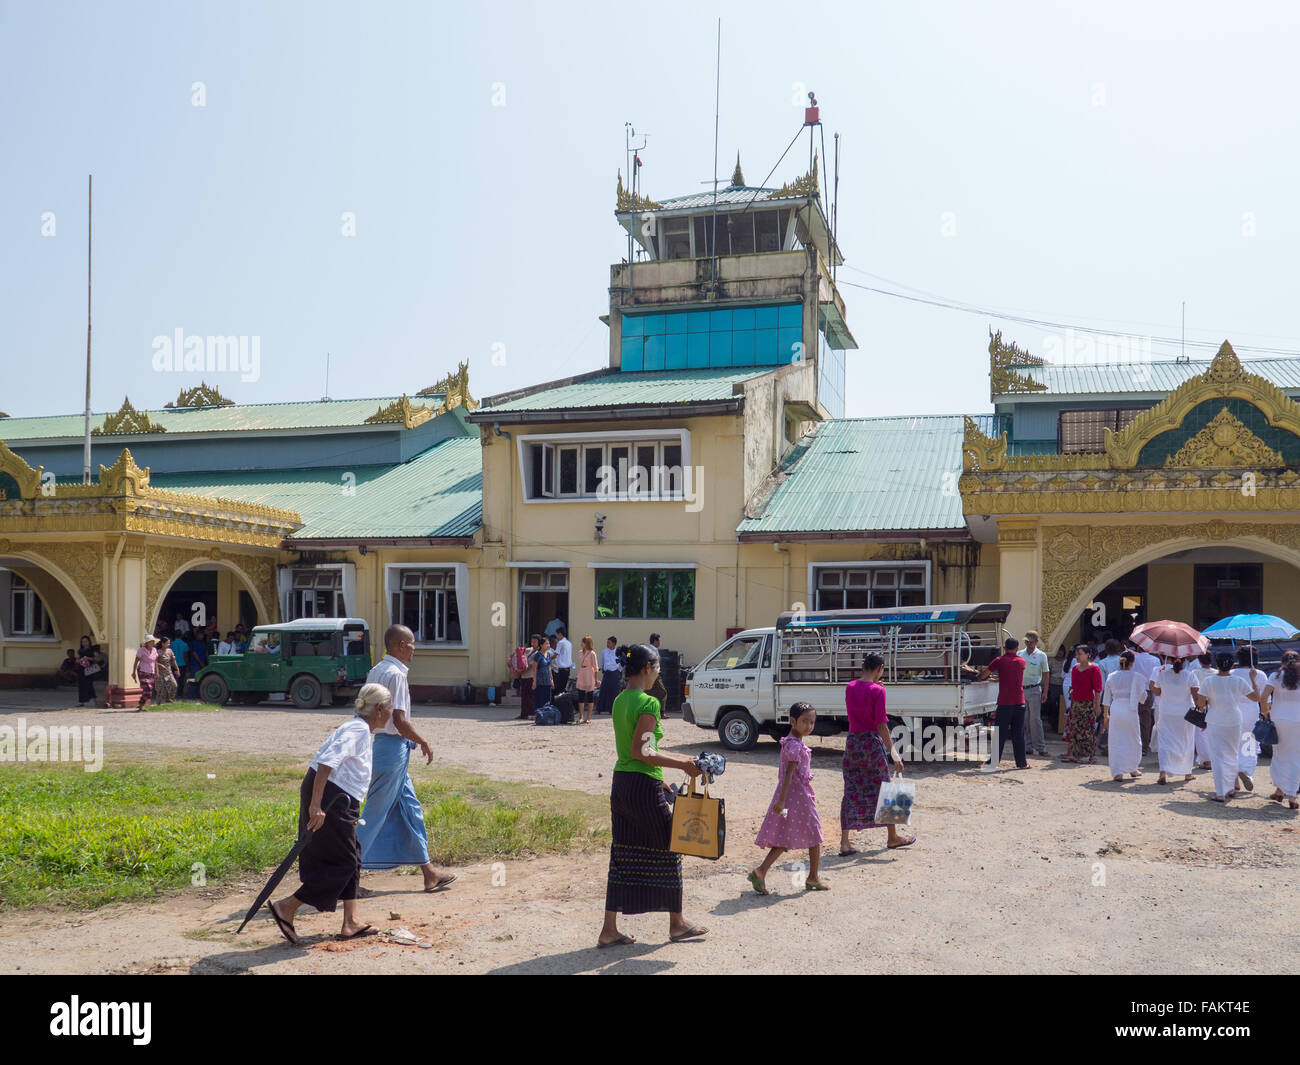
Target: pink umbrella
1174	638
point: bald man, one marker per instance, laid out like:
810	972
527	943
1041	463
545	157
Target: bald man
393	834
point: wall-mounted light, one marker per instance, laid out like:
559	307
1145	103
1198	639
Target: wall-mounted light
600	526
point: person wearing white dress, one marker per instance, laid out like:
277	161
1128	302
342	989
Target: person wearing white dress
1220	696
1121	697
1283	696
1175	687
1204	668
1248	758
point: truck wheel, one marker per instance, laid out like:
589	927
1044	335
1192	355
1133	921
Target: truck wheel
214	689
305	692
738	731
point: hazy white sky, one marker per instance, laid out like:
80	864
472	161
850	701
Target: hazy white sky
1079	163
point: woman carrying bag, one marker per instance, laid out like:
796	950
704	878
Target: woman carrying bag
644	875
90	667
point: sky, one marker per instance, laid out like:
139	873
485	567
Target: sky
404	185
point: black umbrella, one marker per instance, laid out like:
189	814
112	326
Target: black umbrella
283	867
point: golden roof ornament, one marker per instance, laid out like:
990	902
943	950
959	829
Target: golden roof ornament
1005	361
28	478
1225	367
201	395
404	411
1225	441
127	420
124	477
627	202
737	175
454	388
800	186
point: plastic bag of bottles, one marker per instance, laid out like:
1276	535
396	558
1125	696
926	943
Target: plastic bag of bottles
894	807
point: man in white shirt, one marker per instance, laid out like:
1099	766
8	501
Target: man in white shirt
1147	664
394	834
1037	679
563	661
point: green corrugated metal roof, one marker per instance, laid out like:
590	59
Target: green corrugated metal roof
635	389
439	493
1135	375
241	417
870	475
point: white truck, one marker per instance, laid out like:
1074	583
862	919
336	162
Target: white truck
746	686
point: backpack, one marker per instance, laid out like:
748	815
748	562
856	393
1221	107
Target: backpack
519	660
546	715
564	704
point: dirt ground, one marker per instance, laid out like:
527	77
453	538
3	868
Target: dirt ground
1053	869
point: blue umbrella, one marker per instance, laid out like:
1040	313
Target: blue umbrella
1251	627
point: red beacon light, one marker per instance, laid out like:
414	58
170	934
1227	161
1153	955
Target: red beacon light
812	113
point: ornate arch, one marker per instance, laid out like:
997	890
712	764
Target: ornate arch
79	568
165	565
1080	560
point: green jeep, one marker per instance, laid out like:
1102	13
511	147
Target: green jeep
315	660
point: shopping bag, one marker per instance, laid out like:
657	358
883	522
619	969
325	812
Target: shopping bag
1265	731
699	825
894	807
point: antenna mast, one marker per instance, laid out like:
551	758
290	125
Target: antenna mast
90	206
717	106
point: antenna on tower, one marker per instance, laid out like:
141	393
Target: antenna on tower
717	106
90	212
326	397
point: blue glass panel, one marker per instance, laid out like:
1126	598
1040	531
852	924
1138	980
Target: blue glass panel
742	347
765	347
697	350
654	324
719	349
631	353
633	325
654	353
786	341
742	318
675	351
720	320
699	322
677	321
765	318
790	314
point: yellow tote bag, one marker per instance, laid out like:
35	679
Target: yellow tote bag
699	825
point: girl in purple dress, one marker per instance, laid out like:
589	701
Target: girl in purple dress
792	822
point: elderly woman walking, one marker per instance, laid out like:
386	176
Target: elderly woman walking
329	804
868	753
1086	685
644	875
1283	695
165	673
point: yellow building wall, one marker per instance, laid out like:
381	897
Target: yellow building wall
1282	591
1169	591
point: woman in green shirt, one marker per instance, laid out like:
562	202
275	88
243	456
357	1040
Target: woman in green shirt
644	875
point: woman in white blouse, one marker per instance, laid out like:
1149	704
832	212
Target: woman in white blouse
1220	696
1123	693
1282	693
1175	687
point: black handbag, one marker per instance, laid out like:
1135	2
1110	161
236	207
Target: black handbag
1265	732
1196	717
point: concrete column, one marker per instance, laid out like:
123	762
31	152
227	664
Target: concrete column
1020	580
126	622
228	588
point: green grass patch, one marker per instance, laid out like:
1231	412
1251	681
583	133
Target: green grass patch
183	706
135	829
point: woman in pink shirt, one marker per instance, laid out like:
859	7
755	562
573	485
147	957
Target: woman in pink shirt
867	753
142	670
1086	684
586	681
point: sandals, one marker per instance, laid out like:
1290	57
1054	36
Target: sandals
845	854
906	843
1244	778
369	930
690	933
285	927
442	885
759	886
621	941
819	885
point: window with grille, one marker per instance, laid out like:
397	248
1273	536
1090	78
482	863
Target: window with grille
318	593
27	615
869	587
592	466
1084	431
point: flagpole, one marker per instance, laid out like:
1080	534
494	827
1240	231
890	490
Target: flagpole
90	206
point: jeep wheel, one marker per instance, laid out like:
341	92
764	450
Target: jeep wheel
738	731
214	689
305	692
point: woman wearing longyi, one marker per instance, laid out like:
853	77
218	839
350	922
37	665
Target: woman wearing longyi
644	875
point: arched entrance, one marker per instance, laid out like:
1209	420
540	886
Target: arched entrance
207	587
42	613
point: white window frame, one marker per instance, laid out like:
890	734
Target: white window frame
643	566
460	583
33	605
583	441
813	567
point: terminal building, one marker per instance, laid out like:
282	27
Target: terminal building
703	482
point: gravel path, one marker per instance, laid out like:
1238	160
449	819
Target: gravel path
1054	869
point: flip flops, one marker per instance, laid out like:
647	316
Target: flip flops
759	886
285	927
690	933
820	885
621	941
906	843
369	930
442	885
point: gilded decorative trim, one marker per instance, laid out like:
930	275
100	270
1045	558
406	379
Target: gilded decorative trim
1225	441
981	453
625	201
403	411
1005	361
807	185
1224	379
29	479
201	395
127	420
454	388
124	477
